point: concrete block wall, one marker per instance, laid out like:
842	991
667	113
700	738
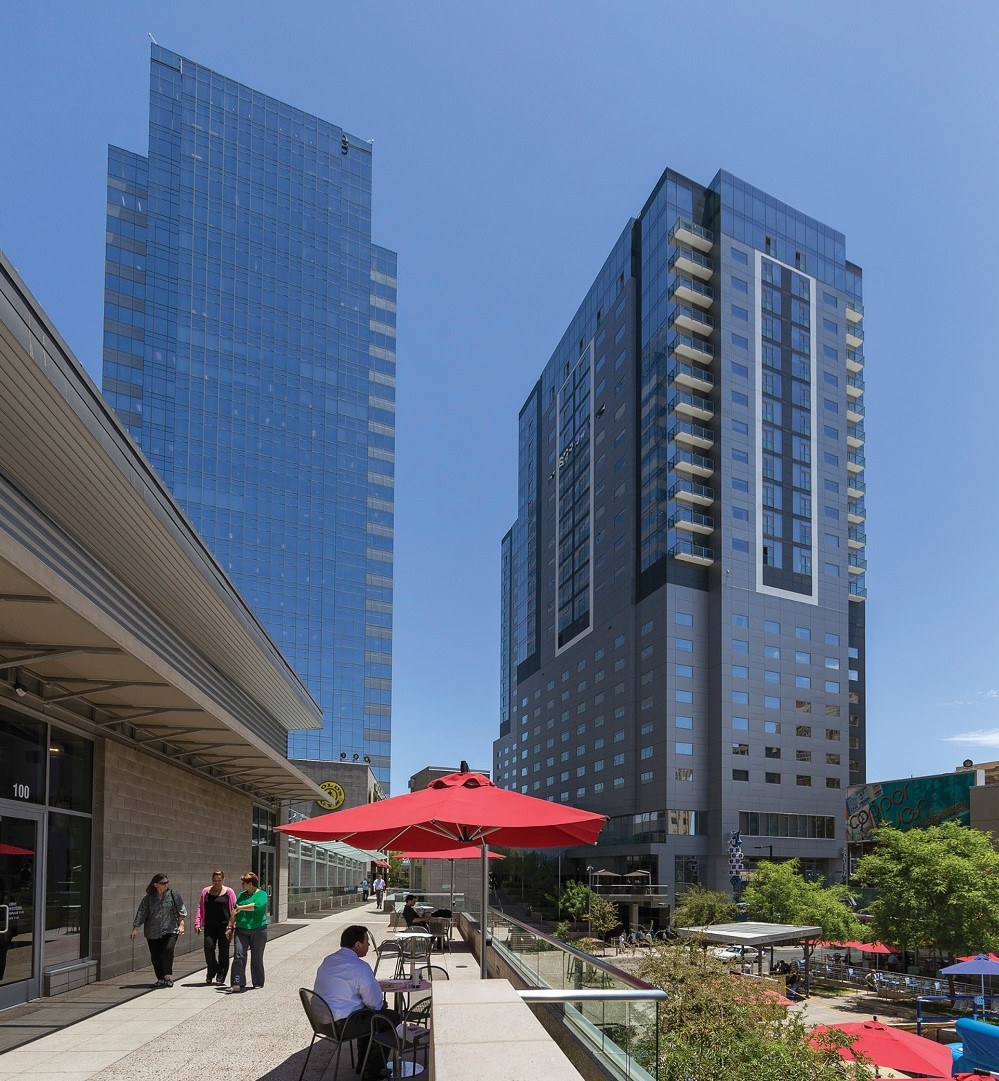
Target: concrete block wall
151	818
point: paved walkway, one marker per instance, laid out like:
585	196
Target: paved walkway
194	1031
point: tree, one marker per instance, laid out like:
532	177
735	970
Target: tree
779	893
716	1025
603	916
397	875
936	887
699	907
575	901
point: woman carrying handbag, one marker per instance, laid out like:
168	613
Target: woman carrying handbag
161	914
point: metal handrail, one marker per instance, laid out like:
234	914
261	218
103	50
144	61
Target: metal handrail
586	958
555	994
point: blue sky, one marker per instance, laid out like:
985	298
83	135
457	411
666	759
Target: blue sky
512	143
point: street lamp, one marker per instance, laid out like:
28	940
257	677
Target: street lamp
769	848
589	902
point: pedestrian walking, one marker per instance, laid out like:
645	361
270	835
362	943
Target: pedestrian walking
364	889
248	931
161	915
214	909
379	887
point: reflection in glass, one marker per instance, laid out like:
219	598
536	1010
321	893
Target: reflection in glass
22	756
71	771
67	902
18	845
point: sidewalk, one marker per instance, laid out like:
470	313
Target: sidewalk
194	1031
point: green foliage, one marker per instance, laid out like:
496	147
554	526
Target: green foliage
779	893
936	887
532	876
699	907
397	876
715	1025
575	902
561	931
603	916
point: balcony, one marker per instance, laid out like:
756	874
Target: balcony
692	319
693	521
855	410
856	512
694	236
855	435
691	552
695	465
690	261
856	564
692	405
683	345
854	385
858	591
855	335
855	360
854	311
687	288
855	487
694	435
855	461
686	375
856	538
689	491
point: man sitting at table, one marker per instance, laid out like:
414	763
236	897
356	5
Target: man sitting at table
348	986
411	916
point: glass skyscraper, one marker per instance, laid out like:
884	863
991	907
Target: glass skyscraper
250	349
683	589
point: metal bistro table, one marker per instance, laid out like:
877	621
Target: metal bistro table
405	1039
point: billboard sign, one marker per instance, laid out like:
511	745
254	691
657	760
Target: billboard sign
912	803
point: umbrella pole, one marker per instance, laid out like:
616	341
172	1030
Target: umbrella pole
484	925
451	905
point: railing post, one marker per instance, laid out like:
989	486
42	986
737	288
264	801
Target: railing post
657	1039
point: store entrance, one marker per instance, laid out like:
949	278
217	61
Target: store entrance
20	886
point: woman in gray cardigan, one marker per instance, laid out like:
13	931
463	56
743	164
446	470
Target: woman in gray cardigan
161	915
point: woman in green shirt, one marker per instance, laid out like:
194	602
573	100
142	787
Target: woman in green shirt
248	926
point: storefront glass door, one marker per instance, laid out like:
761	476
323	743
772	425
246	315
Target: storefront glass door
20	879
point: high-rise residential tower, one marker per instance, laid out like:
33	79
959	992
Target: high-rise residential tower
249	348
683	588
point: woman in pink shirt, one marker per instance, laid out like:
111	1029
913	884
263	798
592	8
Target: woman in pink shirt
214	909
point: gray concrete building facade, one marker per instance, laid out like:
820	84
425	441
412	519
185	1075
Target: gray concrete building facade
683	590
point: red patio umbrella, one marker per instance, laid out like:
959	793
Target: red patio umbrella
458	809
892	1048
970	957
875	947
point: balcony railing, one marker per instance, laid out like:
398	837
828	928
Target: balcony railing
687	260
691	520
689	375
855	435
856	563
693	405
692	319
695	435
854	335
855	409
855	486
855	510
691	552
854	311
854	384
685	287
687	461
855	461
856	538
695	236
858	591
854	359
692	492
693	348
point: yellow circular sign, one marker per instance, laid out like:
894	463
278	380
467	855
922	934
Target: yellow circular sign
335	793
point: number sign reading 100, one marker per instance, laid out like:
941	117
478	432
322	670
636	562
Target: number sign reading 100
21	791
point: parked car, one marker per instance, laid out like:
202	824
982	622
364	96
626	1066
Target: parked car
736	953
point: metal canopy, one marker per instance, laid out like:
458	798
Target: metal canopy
114	616
752	934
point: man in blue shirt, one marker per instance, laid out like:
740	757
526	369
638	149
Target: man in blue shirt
348	986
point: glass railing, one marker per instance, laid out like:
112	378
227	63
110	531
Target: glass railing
697	344
855	484
693	314
856	405
695	431
692	285
856	507
611	1013
693	517
854	431
856	355
858	561
858	589
855	381
855	306
691	373
856	458
688	548
695	461
694	230
694	401
858	535
681	251
692	488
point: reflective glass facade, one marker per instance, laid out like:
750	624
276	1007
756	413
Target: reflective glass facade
686	570
249	348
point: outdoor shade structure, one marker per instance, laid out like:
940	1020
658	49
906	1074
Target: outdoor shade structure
458	809
758	936
982	965
892	1048
452	854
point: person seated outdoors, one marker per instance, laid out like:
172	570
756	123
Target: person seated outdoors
348	986
412	917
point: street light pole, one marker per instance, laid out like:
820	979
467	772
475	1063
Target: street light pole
769	848
589	902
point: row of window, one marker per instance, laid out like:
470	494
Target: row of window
800	780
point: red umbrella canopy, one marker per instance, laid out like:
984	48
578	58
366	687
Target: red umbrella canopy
892	1048
458	809
13	850
451	854
875	947
970	957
